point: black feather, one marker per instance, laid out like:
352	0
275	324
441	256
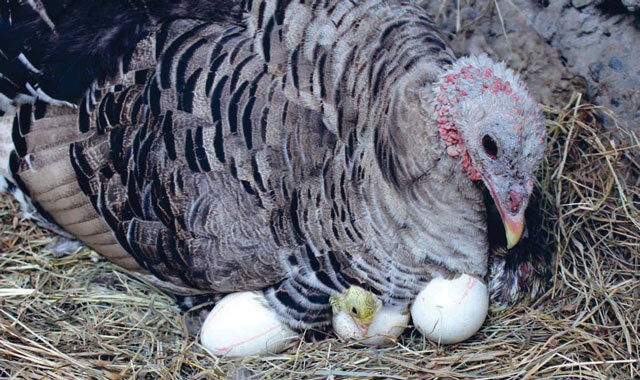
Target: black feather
90	38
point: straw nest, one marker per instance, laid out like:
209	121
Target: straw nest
81	317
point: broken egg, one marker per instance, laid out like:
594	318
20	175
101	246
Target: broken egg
451	311
385	328
242	324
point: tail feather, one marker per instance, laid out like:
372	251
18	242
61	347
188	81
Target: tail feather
19	59
55	50
54	54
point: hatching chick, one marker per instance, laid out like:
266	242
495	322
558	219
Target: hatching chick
359	315
358	305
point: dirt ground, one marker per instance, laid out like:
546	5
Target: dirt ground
560	46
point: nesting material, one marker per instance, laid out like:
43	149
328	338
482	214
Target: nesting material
451	311
242	324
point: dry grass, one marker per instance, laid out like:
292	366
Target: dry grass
80	317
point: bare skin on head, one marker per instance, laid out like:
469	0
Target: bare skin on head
487	117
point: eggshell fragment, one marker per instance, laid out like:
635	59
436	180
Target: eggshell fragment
385	328
345	327
450	311
241	324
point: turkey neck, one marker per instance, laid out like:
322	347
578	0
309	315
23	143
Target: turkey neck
425	201
429	208
421	208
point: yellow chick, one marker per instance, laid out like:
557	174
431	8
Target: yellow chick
359	305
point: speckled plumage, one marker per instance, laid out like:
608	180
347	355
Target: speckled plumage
288	149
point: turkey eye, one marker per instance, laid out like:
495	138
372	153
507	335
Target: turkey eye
354	310
490	146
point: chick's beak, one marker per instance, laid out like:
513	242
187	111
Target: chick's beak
362	326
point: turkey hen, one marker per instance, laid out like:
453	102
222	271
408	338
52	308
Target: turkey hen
294	147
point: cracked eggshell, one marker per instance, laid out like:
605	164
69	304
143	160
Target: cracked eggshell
242	324
451	311
345	327
385	328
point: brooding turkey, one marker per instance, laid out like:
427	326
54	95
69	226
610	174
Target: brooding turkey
298	147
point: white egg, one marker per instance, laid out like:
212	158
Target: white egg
242	324
450	311
385	328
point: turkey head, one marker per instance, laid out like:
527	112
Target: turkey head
487	117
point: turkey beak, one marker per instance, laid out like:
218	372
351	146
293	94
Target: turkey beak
513	227
511	205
